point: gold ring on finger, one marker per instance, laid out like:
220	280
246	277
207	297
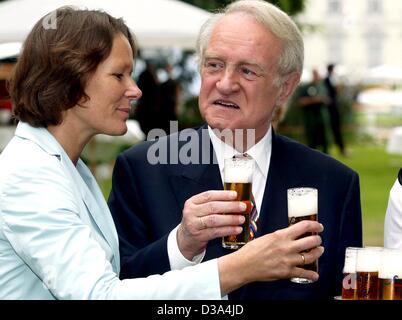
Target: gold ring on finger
303	258
203	225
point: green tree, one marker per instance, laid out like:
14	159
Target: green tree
292	7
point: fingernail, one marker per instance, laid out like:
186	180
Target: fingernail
315	277
233	194
243	206
322	226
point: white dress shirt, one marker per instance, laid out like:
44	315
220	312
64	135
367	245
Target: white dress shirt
393	218
261	153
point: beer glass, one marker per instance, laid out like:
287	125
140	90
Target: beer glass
238	176
349	285
367	266
390	275
303	205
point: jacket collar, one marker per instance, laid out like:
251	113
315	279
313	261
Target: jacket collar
84	181
40	136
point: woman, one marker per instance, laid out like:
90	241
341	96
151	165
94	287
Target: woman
57	237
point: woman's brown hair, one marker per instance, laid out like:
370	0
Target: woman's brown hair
56	61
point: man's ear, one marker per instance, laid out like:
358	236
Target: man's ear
289	84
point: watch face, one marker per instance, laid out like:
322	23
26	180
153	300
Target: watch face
312	91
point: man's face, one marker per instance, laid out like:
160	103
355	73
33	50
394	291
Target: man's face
237	75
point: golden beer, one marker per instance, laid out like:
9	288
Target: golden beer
238	176
312	217
367	267
367	285
243	194
390	289
303	205
390	275
349	285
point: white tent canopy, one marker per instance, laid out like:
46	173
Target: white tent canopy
156	23
384	74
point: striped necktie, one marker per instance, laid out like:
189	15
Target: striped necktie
253	219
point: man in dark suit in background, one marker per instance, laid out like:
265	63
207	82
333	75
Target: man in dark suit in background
251	59
169	99
333	110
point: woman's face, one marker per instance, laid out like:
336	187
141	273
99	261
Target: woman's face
110	90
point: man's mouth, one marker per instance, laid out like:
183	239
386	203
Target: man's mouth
226	104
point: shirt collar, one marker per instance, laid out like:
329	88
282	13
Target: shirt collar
260	152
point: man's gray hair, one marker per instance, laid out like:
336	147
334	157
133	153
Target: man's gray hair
275	20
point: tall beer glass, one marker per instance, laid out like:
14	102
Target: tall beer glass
349	285
390	275
367	266
238	176
303	205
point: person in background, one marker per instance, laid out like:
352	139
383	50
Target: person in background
57	236
333	109
169	100
147	107
313	99
251	59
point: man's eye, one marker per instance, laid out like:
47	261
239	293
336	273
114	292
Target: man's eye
213	65
119	76
248	73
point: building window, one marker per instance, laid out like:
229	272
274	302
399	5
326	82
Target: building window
334	6
375	47
335	47
374	6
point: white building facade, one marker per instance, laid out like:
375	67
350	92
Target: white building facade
354	34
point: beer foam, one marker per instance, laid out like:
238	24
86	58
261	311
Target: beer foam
368	260
391	264
239	171
350	260
304	204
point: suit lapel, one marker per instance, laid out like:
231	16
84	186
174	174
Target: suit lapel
282	174
192	179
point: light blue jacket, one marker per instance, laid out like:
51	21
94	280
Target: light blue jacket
57	236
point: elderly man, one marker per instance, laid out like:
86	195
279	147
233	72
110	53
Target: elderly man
251	59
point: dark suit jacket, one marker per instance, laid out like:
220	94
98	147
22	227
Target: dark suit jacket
146	202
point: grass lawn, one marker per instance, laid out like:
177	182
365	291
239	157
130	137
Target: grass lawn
377	171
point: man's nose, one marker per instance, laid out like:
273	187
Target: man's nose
228	82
